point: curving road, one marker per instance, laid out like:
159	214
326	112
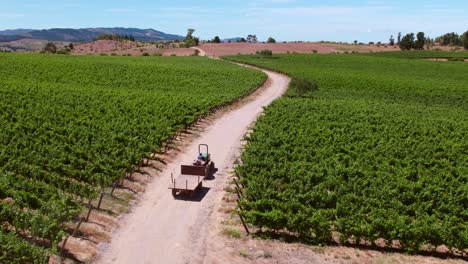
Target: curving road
161	229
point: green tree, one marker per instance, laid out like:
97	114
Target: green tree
216	40
252	38
50	48
407	42
420	40
190	40
271	40
399	38
242	40
464	40
428	43
190	32
449	39
392	41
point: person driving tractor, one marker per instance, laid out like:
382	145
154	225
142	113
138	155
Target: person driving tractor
201	157
200	160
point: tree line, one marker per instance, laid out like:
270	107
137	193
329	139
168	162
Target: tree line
251	38
115	37
411	41
453	39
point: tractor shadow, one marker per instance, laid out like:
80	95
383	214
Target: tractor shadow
211	176
195	197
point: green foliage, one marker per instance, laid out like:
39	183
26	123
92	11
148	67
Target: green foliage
265	52
303	86
74	124
464	40
196	52
391	41
407	42
15	250
420	40
423	54
190	40
216	40
450	39
115	37
64	51
50	48
233	233
251	38
190	32
145	54
379	152
271	40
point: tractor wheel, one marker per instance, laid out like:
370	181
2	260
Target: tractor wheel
174	193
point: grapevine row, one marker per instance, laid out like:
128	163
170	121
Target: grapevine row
72	126
380	152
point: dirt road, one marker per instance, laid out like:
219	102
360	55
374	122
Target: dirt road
161	229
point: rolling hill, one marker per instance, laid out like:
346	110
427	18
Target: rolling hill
85	34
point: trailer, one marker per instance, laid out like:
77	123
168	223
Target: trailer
191	177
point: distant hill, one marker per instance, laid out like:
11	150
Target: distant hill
6	38
85	34
10	32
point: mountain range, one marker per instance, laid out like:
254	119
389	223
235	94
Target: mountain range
84	34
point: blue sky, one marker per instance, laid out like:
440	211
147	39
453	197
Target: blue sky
336	20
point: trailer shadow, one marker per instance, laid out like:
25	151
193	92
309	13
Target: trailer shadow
196	197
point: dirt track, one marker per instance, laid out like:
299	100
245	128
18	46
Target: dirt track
161	229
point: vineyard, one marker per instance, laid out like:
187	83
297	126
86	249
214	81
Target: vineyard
379	153
422	54
71	126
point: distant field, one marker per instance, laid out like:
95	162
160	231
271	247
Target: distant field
74	124
283	48
215	50
381	151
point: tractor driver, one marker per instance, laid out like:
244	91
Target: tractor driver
201	157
